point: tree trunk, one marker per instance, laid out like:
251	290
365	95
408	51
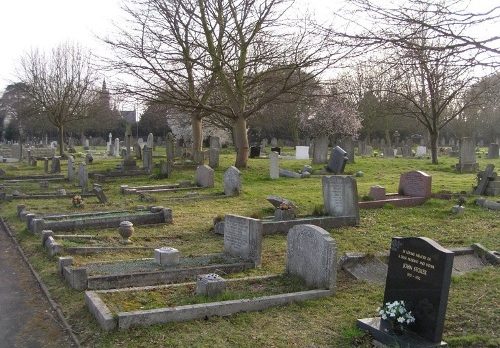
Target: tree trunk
60	128
196	127
434	135
241	142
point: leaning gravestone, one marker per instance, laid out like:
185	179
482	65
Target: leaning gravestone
232	181
100	194
484	178
204	176
337	161
243	238
419	273
415	184
312	255
340	196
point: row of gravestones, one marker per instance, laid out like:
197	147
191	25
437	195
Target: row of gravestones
204	177
419	273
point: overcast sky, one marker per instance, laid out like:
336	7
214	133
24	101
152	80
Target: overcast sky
44	24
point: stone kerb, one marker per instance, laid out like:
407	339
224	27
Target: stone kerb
204	176
157	215
232	181
312	255
415	184
243	238
340	196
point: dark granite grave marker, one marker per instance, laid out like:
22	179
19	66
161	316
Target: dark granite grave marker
276	149
419	272
254	151
337	161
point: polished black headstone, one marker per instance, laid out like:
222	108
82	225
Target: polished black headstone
419	272
254	151
276	149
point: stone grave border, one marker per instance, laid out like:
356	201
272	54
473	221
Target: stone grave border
321	281
283	226
156	215
78	278
46	196
125	320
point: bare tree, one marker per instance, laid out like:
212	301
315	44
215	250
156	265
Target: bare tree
220	57
433	62
61	85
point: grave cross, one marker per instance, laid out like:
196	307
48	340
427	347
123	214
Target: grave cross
484	177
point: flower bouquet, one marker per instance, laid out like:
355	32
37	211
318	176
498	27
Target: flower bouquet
77	201
396	314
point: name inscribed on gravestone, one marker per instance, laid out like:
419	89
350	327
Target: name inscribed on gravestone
415	264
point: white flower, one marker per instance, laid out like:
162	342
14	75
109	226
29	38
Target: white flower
401	320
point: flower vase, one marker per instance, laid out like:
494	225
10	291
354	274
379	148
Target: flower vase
126	229
392	328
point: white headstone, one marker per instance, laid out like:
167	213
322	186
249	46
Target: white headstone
274	166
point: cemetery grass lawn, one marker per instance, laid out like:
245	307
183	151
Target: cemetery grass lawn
473	307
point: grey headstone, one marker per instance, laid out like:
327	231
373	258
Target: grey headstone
83	176
204	176
232	181
169	146
214	142
320	150
150	141
243	238
274	167
213	158
340	196
493	151
347	144
71	169
56	165
312	255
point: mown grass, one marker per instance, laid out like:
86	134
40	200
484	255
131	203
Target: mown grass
473	307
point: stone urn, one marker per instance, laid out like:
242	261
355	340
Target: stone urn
126	229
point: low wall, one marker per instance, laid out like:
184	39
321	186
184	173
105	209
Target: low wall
157	215
325	222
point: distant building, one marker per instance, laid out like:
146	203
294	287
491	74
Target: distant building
129	116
